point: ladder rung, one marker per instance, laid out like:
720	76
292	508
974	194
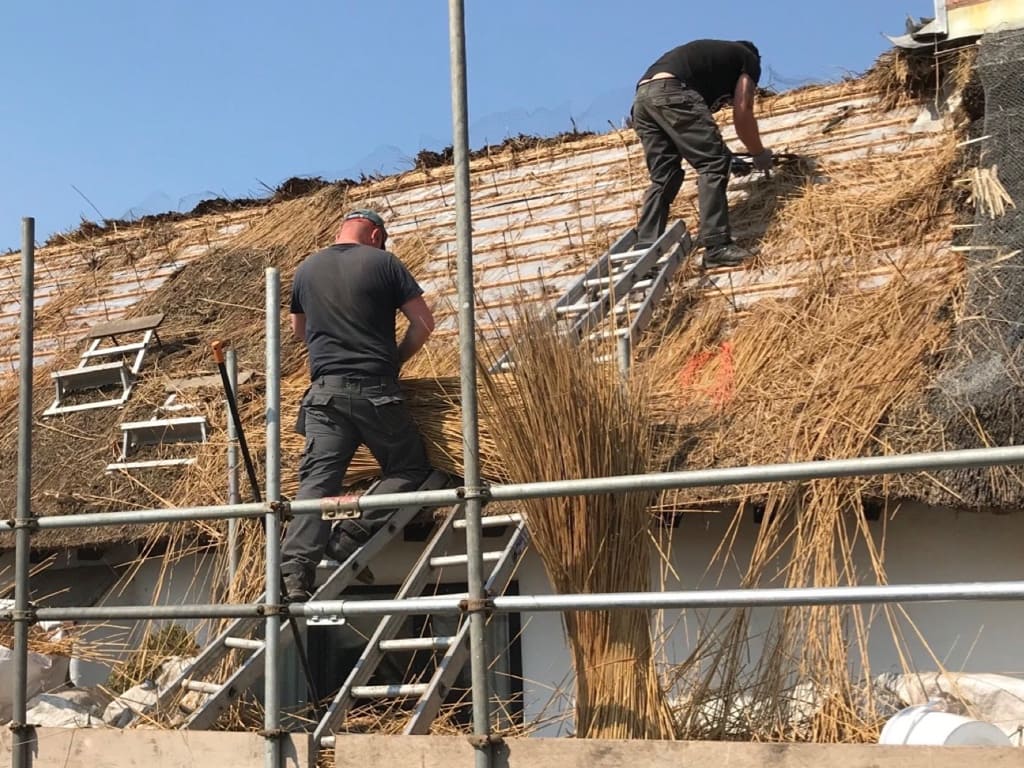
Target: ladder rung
641	285
241	642
634	307
575	309
441	562
598	335
492	521
200	686
628	255
417	644
388	691
603	282
111	351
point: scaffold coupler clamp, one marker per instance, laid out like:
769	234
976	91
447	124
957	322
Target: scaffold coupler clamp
468	493
340	508
487	740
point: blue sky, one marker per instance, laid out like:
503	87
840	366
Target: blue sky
148	107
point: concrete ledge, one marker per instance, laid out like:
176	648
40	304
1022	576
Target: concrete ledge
112	748
455	752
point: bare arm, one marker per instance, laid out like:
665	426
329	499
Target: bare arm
743	115
299	326
421	325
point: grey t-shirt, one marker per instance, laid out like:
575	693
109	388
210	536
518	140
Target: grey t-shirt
349	295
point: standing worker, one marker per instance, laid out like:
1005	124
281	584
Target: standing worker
343	306
672	116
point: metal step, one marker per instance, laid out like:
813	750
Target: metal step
395	691
123	349
617	258
200	686
491	521
91	377
607	334
150	464
244	643
444	561
153	431
607	280
575	309
416	644
623	309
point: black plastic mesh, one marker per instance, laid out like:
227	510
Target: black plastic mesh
978	399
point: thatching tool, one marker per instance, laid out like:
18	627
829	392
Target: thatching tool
218	355
742	163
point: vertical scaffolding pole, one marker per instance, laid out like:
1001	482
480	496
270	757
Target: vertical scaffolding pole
272	681
24	520
234	497
624	351
467	358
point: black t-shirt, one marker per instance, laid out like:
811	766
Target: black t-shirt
710	67
349	295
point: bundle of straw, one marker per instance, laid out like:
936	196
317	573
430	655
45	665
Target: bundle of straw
559	415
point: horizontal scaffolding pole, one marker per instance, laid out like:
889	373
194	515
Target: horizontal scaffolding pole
660	481
706	598
656	481
145	516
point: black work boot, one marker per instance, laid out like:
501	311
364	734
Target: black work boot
726	255
340	547
297	585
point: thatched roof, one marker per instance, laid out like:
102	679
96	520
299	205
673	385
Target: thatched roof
828	345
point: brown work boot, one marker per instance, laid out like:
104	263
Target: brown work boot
727	255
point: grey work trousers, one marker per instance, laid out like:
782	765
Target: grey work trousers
673	124
338	414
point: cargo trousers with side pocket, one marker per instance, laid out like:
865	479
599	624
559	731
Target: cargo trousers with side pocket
674	124
337	415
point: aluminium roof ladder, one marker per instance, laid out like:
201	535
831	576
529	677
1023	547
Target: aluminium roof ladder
240	634
427	697
620	291
126	362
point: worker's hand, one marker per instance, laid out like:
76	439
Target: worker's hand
763	161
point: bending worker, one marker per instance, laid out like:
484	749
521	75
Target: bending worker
343	305
672	116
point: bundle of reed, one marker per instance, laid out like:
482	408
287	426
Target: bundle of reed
557	415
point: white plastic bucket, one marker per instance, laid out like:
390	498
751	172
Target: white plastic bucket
923	725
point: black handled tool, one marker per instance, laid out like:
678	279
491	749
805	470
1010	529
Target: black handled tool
218	355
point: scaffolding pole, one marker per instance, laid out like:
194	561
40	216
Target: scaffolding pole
658	481
473	492
272	662
681	600
234	497
24	519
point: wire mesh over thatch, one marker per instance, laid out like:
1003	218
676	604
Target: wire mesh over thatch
977	400
559	414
